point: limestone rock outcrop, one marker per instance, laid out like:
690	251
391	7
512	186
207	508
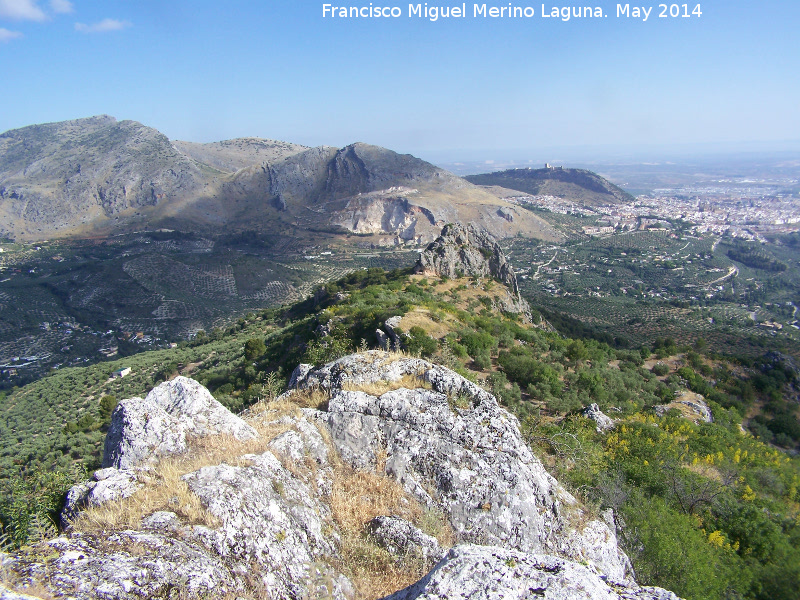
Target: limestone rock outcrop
402	538
492	573
130	564
692	405
272	518
602	421
466	250
104	486
455	449
141	430
261	523
145	429
268	528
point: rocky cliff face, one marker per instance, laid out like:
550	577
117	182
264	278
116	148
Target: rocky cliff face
260	515
367	189
469	251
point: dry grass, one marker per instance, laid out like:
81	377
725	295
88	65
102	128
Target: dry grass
165	491
387	357
421	317
463	296
33	590
356	498
435	523
378	388
673	362
375	573
706	470
165	488
311	398
268	410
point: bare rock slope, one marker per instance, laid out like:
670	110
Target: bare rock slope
60	179
98	176
231	155
142	430
264	519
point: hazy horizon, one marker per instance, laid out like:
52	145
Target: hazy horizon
204	71
576	155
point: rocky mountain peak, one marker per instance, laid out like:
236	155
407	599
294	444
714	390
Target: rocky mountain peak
362	168
357	456
62	177
466	250
469	251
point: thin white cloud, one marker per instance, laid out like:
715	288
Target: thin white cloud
21	10
7	36
102	26
61	6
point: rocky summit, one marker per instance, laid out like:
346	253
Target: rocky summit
373	455
468	250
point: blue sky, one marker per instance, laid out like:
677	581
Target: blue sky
206	70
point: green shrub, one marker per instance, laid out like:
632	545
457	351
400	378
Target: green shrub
660	369
459	350
328	348
420	342
475	341
254	348
107	405
666	548
483	361
30	503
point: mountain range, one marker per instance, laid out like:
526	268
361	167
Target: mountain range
99	176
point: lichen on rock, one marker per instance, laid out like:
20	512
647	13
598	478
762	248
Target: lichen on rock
472	464
273	529
141	430
495	573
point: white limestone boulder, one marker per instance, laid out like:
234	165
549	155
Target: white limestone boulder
143	430
493	573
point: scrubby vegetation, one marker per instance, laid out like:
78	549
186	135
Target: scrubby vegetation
709	510
704	509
